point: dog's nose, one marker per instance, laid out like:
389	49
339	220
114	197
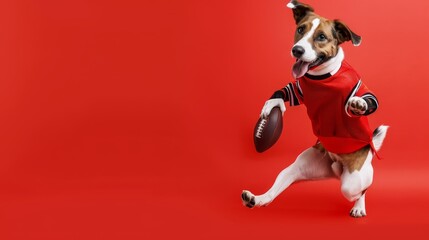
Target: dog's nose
297	51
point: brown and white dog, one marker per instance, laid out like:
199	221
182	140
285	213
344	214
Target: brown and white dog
318	54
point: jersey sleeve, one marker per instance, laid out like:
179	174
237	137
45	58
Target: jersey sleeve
291	93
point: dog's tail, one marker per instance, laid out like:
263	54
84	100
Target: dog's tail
378	136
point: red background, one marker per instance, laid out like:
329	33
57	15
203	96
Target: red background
134	119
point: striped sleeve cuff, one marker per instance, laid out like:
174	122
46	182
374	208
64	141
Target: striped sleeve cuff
372	102
291	91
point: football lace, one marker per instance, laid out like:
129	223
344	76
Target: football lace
260	128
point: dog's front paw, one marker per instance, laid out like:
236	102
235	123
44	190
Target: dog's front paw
270	104
248	199
357	105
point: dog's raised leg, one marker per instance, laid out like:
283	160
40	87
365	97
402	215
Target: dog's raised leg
310	164
354	185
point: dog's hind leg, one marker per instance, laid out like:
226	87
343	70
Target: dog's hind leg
354	185
359	209
311	164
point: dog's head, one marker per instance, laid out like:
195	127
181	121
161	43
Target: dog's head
317	39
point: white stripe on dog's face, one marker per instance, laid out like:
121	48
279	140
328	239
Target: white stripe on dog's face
309	55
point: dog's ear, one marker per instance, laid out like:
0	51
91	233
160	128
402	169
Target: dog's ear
344	33
300	10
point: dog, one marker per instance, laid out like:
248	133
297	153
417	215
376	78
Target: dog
338	104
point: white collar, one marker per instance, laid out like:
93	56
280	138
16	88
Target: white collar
331	66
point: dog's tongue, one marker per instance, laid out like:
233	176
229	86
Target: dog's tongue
300	68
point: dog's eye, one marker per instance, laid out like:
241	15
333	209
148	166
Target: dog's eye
300	30
321	37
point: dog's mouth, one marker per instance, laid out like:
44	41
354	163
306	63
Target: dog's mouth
301	67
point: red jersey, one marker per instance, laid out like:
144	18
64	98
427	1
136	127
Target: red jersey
326	100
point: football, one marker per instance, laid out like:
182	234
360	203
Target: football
268	130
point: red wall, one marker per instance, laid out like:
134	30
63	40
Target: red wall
134	119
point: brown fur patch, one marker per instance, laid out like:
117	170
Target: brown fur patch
352	161
355	160
329	47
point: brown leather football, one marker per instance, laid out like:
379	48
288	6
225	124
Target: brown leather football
268	130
